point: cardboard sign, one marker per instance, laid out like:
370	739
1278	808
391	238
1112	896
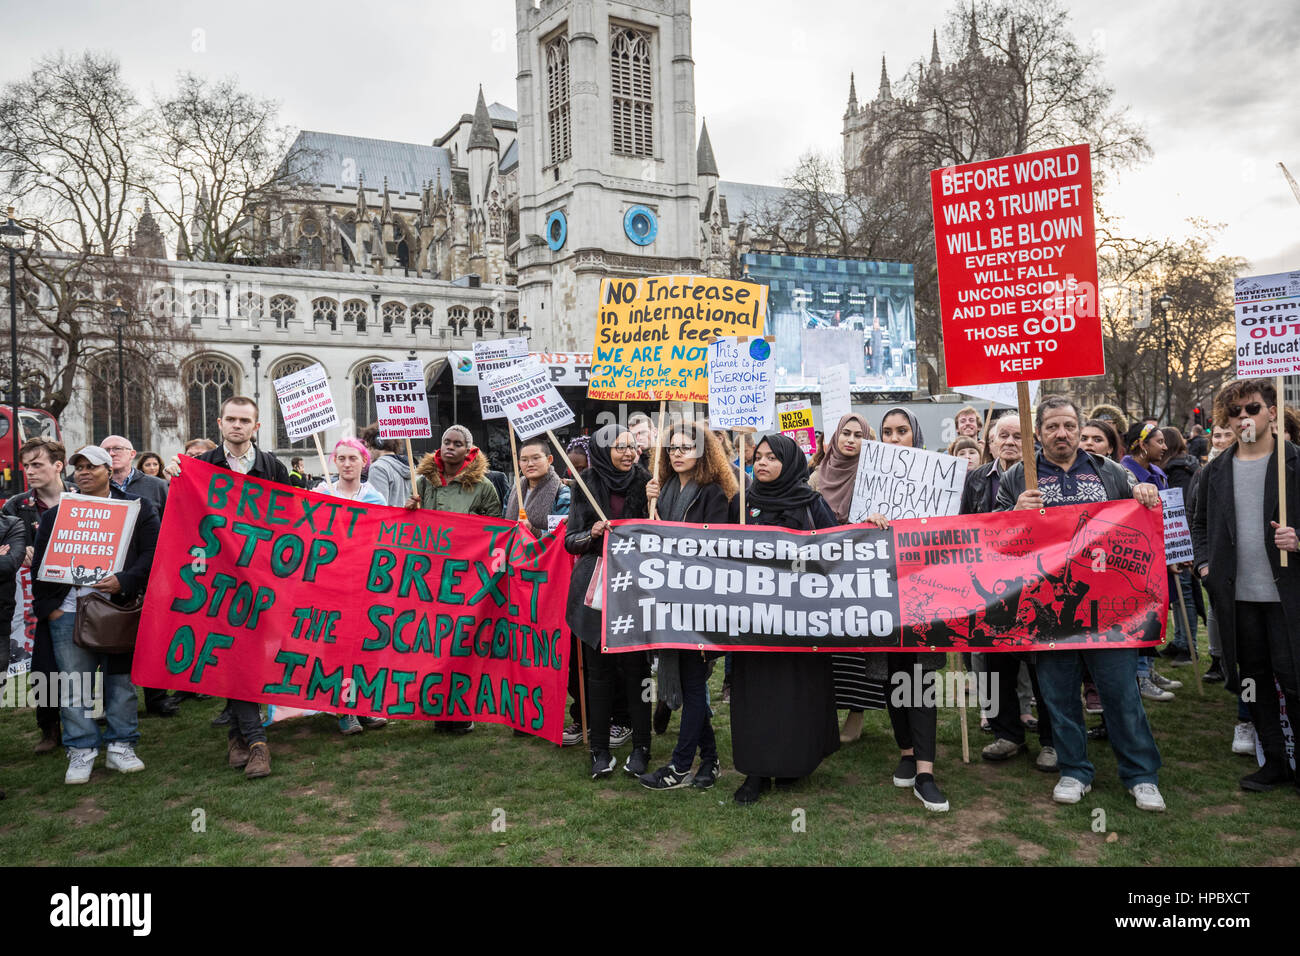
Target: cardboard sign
490	357
1017	264
89	539
528	398
742	384
401	400
317	603
990	582
305	402
652	334
796	420
567	369
1003	393
22	629
836	398
1178	536
1268	325
901	482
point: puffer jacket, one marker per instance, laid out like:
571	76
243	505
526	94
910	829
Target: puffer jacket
468	493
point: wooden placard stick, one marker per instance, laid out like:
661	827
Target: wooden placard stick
1191	642
576	477
1027	436
410	460
956	659
514	458
654	458
582	686
324	462
740	437
1281	461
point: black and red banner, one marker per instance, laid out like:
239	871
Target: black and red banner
1079	575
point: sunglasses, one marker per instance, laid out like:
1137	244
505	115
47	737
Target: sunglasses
1252	409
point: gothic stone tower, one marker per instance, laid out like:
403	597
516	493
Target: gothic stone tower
607	164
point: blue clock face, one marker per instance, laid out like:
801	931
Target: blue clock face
640	225
557	230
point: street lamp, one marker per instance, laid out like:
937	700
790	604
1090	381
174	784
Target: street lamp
257	382
1165	302
11	235
118	315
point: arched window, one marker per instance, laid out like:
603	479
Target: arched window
280	370
105	417
557	99
355	311
283	309
164	303
457	319
421	316
363	396
325	310
203	303
512	320
632	96
209	381
252	307
483	320
394	314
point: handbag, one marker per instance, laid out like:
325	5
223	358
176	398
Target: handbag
595	597
105	627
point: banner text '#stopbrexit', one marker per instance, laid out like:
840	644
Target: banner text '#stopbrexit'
408	560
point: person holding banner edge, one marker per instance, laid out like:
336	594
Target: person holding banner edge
1067	475
545	493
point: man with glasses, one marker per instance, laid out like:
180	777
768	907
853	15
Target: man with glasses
1239	543
126	477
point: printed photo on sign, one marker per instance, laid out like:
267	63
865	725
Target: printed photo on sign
795	419
306	404
901	482
401	400
742	384
89	538
490	357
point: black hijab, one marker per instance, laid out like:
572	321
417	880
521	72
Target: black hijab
602	464
790	489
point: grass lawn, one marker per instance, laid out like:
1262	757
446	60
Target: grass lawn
405	795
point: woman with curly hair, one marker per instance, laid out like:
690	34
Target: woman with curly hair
695	483
150	463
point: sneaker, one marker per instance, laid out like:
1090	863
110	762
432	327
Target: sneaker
1150	691
572	734
121	757
602	764
81	760
259	761
1243	739
1148	797
618	736
1163	682
665	778
372	723
1047	760
1003	749
348	725
707	775
1214	674
1099	732
905	772
1070	790
638	761
751	790
1091	700
1180	658
222	719
928	792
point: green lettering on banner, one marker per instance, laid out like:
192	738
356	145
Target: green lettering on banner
536	578
372	690
291	660
252	534
380	579
431	704
208	654
507	702
501	639
280	567
452	569
321	681
413	569
211	546
279	501
401	679
399	643
219	488
540	719
322	552
198	594
554	642
182	640
460	644
442	626
220	585
460	684
490	586
423	640
248	497
309	510
383	635
485	704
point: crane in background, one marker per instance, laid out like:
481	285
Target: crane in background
1290	179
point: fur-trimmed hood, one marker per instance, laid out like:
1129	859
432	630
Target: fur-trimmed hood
474	470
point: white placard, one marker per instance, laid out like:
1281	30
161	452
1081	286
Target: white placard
490	357
401	400
568	369
900	482
1178	536
305	402
1003	393
742	384
836	400
1268	325
528	398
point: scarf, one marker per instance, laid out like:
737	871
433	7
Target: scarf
538	502
675	499
838	473
614	481
442	472
790	490
917	440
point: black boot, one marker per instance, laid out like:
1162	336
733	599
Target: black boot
1274	771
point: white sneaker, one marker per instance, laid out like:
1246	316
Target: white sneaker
121	756
1243	738
1148	797
1150	691
81	760
1163	682
1047	759
1070	790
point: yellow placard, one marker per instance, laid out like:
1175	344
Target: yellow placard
652	334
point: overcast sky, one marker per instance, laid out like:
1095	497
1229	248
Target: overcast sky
1213	83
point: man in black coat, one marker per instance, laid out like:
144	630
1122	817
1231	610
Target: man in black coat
1239	543
239	424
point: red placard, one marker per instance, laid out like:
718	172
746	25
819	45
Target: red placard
1017	261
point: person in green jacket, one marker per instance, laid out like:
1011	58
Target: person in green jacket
454	478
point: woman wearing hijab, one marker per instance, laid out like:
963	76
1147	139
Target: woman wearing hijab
915	727
782	705
855	688
695	484
618	482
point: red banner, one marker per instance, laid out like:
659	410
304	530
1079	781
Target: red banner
1017	262
263	592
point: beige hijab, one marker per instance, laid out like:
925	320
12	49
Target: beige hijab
838	472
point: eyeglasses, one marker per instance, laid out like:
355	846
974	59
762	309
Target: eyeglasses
531	459
1252	409
680	449
123	448
623	446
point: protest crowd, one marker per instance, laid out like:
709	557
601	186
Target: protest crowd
784	707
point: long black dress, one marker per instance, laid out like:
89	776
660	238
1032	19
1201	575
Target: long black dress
783	721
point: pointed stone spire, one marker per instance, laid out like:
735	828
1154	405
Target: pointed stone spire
853	97
973	37
885	93
361	197
1013	45
480	134
934	51
386	211
705	164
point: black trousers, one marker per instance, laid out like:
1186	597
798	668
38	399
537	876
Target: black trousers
246	721
622	677
915	728
1264	653
47	718
1004	671
575	689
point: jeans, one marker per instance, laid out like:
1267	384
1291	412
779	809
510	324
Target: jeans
245	721
1003	670
696	728
77	666
1114	672
1181	585
1264	653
